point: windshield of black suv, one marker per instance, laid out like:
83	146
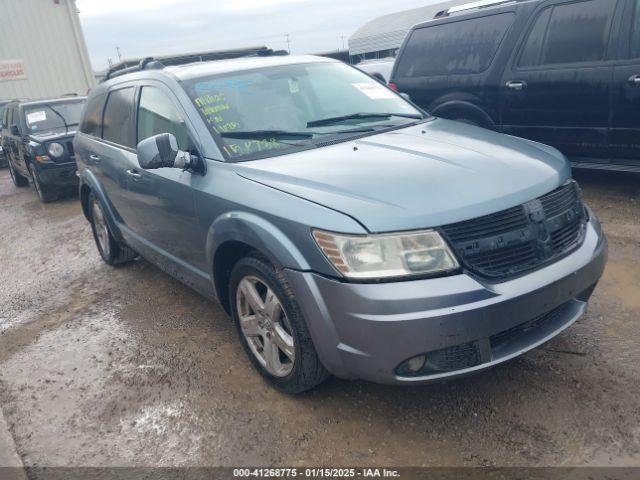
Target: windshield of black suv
276	110
53	117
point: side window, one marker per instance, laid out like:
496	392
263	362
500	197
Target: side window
92	119
117	125
578	32
635	33
462	47
530	55
158	114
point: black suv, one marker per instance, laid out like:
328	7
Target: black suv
561	72
3	159
37	139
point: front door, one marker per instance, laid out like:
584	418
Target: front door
557	89
163	200
625	128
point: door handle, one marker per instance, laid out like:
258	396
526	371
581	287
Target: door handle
635	80
134	175
94	158
517	85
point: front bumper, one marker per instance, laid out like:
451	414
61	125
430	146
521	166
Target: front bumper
367	331
57	174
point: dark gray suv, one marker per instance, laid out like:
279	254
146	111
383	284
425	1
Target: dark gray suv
342	228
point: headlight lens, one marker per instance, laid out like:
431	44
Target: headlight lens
387	256
56	150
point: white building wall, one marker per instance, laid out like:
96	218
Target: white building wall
45	35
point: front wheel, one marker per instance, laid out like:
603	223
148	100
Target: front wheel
111	251
45	193
272	329
18	180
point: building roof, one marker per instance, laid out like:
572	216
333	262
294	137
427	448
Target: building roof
388	32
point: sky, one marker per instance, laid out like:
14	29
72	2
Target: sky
158	27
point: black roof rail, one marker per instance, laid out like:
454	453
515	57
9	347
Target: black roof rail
151	63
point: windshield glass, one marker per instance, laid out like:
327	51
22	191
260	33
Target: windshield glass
52	117
275	110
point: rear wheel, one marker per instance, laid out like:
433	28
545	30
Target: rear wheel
18	180
272	329
111	251
46	193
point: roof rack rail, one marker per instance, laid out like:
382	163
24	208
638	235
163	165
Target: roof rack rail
473	5
158	63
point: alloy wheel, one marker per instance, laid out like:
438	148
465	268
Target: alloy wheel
102	231
265	326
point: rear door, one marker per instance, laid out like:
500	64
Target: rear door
445	66
163	200
115	156
558	86
625	128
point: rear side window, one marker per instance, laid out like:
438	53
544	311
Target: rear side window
454	48
157	114
92	119
635	34
117	126
569	33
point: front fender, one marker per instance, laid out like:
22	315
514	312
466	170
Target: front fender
259	234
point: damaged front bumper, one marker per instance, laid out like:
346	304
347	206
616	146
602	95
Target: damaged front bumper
460	324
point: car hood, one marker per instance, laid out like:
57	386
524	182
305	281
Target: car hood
51	137
422	176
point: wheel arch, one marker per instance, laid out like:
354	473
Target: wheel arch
454	109
89	184
237	234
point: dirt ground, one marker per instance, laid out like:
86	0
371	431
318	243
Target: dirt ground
127	367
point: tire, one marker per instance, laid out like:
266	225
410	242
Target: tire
304	371
18	180
45	193
112	252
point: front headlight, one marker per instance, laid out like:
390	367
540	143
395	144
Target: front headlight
56	150
388	255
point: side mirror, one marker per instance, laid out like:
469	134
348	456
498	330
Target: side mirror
162	151
14	130
379	77
406	96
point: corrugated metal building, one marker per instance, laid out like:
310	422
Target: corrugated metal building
383	36
42	50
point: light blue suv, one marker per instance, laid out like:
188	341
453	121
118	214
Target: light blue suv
343	229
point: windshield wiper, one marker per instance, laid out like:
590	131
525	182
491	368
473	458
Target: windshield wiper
66	126
355	116
261	134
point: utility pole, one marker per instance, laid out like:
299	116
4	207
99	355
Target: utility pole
342	37
119	53
288	38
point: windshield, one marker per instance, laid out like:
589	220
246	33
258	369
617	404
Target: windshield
271	111
59	117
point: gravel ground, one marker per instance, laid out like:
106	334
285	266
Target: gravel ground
127	367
